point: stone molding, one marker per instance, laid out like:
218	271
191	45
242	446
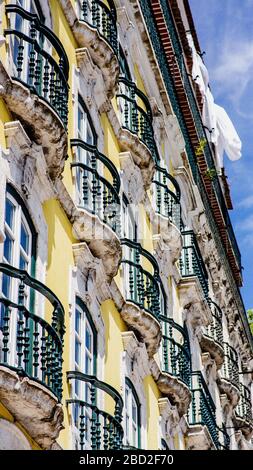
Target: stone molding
177	392
39	120
11	437
192	301
198	438
102	241
33	406
100	51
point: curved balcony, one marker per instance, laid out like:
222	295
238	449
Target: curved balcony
176	364
243	412
212	338
94	26
136	133
97	184
31	355
145	299
229	375
94	427
191	262
205	433
167	196
35	86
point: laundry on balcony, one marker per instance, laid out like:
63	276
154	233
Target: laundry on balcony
228	140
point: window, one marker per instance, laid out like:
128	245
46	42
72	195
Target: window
85	352
124	68
19	251
19	24
84	178
132	416
128	223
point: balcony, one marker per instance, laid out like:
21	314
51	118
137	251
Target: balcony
31	355
243	412
144	297
229	375
191	262
211	339
93	427
136	133
94	26
204	432
35	83
97	184
167	196
176	364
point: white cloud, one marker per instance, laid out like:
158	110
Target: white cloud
246	203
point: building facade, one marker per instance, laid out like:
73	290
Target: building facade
121	320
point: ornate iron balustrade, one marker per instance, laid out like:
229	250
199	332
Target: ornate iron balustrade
97	184
230	367
142	281
167	196
176	350
30	345
39	59
136	114
243	409
203	412
214	330
170	87
191	262
97	428
199	126
101	16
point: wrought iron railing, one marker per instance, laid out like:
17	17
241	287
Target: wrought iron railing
176	357
38	59
101	16
244	408
214	330
199	126
230	367
97	183
170	88
142	281
167	196
30	345
202	411
135	113
97	428
191	262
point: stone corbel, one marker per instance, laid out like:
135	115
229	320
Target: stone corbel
137	352
192	301
175	137
94	77
132	179
169	414
166	256
210	367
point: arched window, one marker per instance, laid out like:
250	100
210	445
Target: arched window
19	248
85	357
132	431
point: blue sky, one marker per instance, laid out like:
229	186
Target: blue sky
225	31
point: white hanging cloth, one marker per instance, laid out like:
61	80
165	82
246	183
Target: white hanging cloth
199	70
228	140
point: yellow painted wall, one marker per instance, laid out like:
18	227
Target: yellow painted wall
5	117
152	394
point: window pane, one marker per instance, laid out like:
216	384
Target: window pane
77	352
23	263
134	413
87	365
6	281
8	244
77	321
24	238
9	213
88	339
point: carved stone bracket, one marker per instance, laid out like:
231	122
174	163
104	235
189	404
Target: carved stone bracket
198	438
178	392
193	302
211	346
132	180
102	241
33	406
39	120
100	50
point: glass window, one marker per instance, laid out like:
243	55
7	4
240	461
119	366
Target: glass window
132	416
